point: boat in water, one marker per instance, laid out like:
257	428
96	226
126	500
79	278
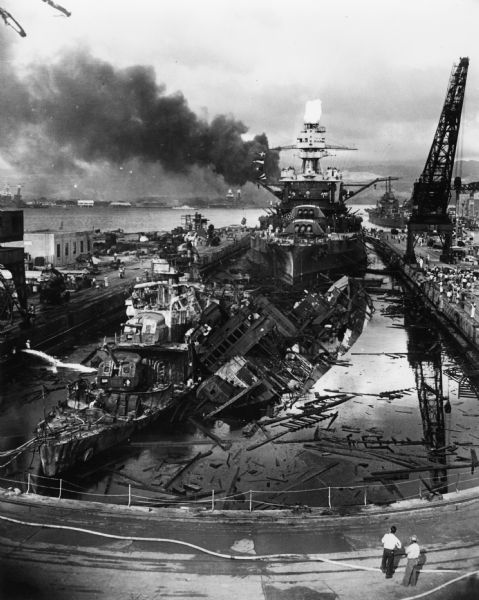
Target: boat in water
388	212
309	231
128	393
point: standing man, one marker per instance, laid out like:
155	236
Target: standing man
390	543
412	551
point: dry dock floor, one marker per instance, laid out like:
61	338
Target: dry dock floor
263	555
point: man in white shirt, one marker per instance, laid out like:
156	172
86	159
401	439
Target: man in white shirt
412	552
390	543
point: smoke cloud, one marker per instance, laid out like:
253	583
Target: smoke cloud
81	111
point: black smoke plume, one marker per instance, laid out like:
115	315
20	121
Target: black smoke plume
89	111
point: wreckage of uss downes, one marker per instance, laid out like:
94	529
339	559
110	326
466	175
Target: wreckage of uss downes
256	354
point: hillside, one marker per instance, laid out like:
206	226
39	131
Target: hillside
407	173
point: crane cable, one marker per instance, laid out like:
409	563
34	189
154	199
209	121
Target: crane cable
233	556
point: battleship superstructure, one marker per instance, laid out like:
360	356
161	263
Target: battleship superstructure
309	230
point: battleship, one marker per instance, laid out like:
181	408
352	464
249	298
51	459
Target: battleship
309	231
388	212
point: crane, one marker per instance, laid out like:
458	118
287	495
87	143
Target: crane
432	191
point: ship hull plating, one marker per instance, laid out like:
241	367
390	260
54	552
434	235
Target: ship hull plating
63	456
69	447
300	262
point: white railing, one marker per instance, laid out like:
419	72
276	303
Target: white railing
331	496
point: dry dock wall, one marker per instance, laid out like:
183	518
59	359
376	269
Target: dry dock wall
449	313
467	326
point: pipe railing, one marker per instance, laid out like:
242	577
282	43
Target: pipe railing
332	496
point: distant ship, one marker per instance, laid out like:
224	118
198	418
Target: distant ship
120	204
310	231
232	200
388	212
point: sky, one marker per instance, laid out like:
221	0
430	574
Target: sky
380	67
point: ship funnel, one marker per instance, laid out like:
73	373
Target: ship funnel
312	113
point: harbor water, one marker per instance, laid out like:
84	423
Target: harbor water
131	219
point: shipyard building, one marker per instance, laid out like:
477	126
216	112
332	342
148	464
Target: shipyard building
58	248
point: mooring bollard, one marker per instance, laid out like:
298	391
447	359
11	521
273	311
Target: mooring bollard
212	499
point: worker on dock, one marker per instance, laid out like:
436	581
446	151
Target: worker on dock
390	544
412	553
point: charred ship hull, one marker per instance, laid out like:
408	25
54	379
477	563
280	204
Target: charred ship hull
82	434
128	394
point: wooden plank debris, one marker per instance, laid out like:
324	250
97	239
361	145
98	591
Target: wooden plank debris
267	440
304	478
182	469
231	488
418	469
223	444
234	399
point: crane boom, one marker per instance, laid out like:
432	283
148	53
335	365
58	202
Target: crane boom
432	191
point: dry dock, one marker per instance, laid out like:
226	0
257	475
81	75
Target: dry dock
58	548
456	312
65	549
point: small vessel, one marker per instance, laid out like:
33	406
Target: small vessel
309	230
161	311
119	204
128	393
388	212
